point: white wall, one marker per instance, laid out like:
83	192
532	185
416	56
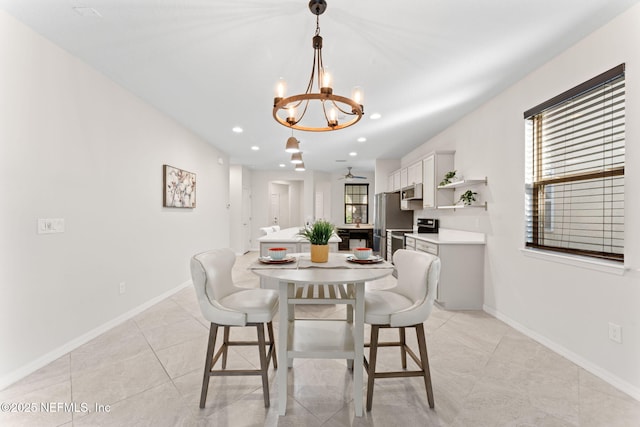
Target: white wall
237	182
567	308
296	193
74	145
323	193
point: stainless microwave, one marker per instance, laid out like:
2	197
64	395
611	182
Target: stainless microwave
412	192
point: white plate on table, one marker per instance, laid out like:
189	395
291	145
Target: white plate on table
371	260
269	260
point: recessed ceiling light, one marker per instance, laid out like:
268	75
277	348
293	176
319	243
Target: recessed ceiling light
375	116
362	139
282	165
255	148
353	154
237	129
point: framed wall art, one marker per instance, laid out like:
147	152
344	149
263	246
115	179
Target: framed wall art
179	188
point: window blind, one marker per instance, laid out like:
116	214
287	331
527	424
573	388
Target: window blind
574	195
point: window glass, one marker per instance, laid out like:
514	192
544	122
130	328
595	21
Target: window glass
356	198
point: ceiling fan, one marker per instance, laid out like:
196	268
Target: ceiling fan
349	176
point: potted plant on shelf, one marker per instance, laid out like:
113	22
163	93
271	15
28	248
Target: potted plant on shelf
468	197
318	235
451	175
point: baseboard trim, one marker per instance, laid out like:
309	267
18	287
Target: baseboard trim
49	357
596	370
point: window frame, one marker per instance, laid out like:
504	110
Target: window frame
535	188
364	220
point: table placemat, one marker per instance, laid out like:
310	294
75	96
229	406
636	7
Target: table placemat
257	265
337	261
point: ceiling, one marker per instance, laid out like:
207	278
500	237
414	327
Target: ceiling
213	65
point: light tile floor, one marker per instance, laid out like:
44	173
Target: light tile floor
149	371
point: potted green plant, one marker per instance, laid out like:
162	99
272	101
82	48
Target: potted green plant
447	178
468	197
318	235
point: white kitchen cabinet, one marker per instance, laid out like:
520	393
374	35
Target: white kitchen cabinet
404	175
409	243
461	284
394	180
434	167
414	174
428	247
411	175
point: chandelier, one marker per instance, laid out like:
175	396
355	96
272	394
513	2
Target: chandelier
289	111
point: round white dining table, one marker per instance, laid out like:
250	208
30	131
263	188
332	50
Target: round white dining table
336	282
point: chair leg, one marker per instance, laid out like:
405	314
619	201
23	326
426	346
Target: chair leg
225	345
272	345
422	344
403	347
213	331
371	372
264	364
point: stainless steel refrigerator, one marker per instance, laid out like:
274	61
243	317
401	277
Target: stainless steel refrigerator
387	214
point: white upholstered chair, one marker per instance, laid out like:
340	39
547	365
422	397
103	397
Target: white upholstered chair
224	304
407	305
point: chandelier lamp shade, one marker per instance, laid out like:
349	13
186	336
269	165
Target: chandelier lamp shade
296	158
300	167
291	110
293	145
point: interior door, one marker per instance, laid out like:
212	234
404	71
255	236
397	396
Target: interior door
283	219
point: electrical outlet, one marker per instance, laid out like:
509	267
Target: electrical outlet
615	333
123	287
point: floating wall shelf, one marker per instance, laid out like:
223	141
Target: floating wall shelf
454	207
463	183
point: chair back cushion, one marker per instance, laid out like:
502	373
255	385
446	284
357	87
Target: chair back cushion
211	276
418	276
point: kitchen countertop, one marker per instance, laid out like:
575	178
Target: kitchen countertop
447	236
353	227
290	235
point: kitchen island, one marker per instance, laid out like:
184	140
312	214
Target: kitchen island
288	238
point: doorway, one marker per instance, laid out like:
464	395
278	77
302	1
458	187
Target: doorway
279	206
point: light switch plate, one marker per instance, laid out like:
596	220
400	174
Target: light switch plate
50	225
